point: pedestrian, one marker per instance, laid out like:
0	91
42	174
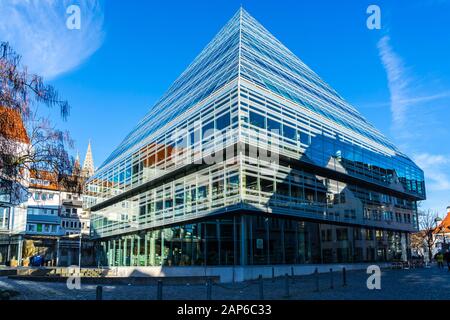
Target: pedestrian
447	258
440	260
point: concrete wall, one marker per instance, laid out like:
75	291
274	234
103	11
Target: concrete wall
238	273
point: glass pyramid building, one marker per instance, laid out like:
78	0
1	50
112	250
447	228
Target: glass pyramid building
250	158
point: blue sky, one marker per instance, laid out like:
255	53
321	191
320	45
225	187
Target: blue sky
127	53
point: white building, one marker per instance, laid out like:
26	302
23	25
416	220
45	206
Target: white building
54	216
13	140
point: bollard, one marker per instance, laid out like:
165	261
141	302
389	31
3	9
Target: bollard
99	293
208	289
159	290
331	279
261	288
316	275
344	277
273	274
286	285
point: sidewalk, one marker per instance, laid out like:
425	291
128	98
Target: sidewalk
428	284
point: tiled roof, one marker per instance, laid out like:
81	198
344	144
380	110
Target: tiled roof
12	126
45	180
444	226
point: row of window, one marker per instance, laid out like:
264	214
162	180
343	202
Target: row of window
53	228
43	228
67	224
42	211
39	182
344	234
42	196
51	211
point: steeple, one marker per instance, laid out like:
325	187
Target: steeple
88	164
77	164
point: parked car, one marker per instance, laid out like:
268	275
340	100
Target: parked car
37	261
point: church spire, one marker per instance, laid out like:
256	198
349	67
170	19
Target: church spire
77	165
88	164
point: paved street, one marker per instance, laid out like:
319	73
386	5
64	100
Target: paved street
395	284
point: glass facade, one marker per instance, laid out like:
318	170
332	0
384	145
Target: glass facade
251	240
249	129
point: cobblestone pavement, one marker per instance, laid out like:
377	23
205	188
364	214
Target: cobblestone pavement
410	284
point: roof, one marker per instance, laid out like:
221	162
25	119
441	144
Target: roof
12	126
244	48
444	226
44	180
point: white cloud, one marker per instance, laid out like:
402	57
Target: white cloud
435	168
37	30
398	81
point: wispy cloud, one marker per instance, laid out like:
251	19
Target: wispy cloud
37	30
411	101
402	86
398	80
436	168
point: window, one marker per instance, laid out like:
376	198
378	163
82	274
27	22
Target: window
273	126
379	235
202	192
257	120
388	215
327	235
357	234
341	234
289	132
208	129
251	182
266	185
305	138
283	189
223	121
233	183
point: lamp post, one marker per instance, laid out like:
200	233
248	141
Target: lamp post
79	252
